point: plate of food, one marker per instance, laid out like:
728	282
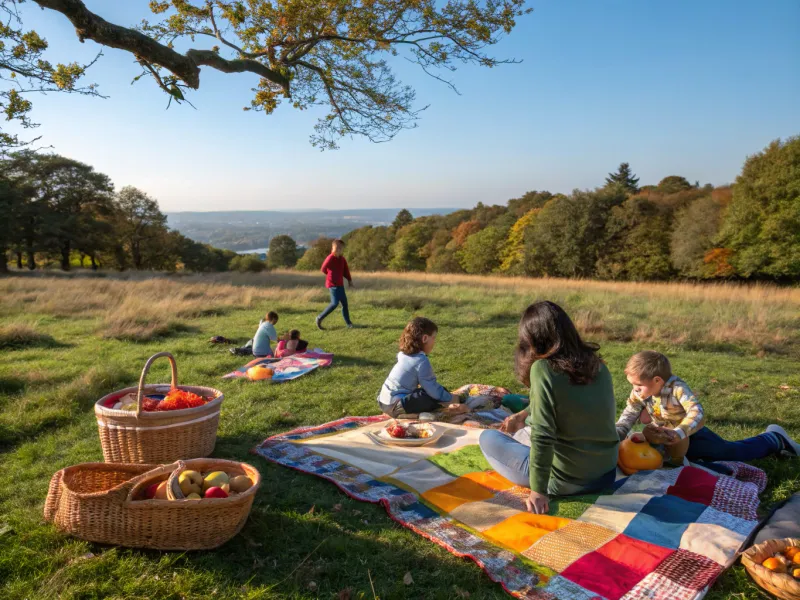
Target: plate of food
408	433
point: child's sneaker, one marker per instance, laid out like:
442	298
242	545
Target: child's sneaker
789	445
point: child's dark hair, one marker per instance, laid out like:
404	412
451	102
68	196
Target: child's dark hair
272	316
547	333
338	242
411	340
294	334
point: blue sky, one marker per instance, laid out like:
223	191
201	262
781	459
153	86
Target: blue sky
672	87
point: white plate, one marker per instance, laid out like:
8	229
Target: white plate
385	438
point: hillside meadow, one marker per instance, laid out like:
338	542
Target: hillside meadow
66	340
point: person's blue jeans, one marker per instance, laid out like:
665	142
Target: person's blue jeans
512	460
338	296
706	445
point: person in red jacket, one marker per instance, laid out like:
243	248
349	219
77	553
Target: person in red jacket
336	271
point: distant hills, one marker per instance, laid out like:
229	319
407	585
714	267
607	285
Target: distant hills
252	229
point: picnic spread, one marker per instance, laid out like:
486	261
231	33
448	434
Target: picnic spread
659	534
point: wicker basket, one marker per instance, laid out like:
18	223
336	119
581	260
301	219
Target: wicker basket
157	437
99	502
781	585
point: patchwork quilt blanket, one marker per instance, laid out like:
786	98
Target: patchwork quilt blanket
287	368
664	534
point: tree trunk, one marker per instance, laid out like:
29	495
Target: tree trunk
4	260
137	256
94	262
19	260
31	259
65	252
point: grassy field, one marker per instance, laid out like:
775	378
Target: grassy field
67	340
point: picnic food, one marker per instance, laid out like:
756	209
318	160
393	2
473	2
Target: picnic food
215	492
413	430
259	372
774	564
215	479
791	552
638	456
241	483
175	399
191	482
194	485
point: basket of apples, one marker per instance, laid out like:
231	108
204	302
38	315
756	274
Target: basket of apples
196	504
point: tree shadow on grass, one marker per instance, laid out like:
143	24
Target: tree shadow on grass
303	530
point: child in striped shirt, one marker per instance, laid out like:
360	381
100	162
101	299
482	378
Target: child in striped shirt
674	418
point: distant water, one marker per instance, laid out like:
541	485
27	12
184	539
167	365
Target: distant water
256	251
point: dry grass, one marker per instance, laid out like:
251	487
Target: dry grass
21	335
142	306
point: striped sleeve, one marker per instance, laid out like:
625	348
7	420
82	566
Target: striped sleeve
693	420
629	416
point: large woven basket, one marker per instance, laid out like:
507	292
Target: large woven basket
100	502
157	437
781	585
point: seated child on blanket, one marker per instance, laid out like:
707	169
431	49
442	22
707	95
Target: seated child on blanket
411	386
675	418
260	346
290	344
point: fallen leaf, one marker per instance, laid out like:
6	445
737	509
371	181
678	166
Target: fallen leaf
408	579
311	510
345	594
461	593
356	512
742	386
714	380
4	529
784	387
312	585
287	415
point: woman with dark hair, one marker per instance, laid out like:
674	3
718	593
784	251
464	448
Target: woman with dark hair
570	443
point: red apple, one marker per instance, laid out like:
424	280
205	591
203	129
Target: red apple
216	492
150	492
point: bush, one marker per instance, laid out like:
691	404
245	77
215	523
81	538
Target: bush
247	263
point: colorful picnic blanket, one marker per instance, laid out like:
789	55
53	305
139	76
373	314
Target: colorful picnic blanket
664	534
287	368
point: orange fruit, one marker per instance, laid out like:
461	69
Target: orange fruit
796	573
791	552
773	564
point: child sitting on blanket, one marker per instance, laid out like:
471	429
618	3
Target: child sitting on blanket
260	346
411	386
675	418
290	344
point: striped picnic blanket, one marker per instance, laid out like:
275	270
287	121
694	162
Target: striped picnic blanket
664	534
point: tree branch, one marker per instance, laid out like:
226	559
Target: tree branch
88	25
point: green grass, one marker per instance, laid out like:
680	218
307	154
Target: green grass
305	539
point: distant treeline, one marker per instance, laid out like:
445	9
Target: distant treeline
60	210
621	231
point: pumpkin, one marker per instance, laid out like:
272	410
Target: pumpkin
259	372
638	456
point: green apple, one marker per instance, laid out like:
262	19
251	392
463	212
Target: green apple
215	479
193	496
191	482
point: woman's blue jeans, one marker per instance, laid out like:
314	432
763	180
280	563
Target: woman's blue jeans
512	460
338	296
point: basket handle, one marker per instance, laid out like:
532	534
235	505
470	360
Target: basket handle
140	392
127	488
53	496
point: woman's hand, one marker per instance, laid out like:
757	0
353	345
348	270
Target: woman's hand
514	423
537	503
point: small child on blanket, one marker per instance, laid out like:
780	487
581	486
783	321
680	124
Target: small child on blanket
411	387
674	418
290	344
